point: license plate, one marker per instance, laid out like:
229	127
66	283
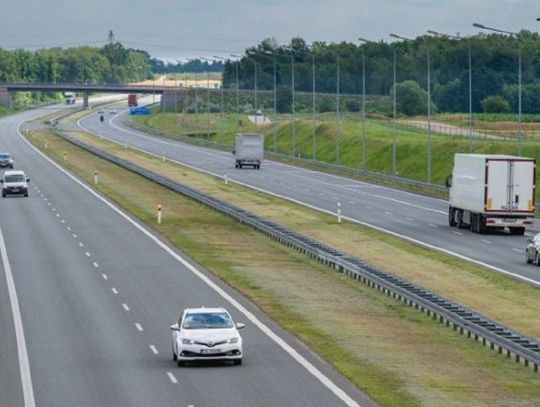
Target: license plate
210	351
511	220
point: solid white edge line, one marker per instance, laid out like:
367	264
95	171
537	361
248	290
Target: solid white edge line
265	329
24	365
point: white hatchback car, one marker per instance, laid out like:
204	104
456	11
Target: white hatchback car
206	334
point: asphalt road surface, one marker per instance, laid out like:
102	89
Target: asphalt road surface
96	296
417	218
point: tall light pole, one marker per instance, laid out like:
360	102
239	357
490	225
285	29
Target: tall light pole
293	99
338	117
274	65
455	37
363	103
313	129
221	98
207	99
237	92
520	51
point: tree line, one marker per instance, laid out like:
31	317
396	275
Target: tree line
193	65
494	61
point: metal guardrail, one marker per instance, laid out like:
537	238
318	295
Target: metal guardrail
446	311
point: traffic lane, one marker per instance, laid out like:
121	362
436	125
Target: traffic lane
429	217
294	379
11	393
82	352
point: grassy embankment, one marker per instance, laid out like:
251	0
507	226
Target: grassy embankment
411	144
397	355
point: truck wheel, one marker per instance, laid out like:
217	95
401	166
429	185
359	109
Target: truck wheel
527	257
451	217
537	259
460	223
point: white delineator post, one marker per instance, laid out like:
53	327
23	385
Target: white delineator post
163	157
65	155
159	210
226	178
338	212
96	180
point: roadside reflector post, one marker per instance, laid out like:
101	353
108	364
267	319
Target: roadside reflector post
65	155
338	212
46	145
163	157
226	178
159	211
96	180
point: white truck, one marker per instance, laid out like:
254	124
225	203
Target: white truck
492	192
69	98
249	150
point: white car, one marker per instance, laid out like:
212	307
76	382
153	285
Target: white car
532	251
206	334
14	183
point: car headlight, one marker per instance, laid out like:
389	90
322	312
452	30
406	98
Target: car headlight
187	341
233	340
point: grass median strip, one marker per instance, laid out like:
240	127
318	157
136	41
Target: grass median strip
395	354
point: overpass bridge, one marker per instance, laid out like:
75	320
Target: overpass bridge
170	94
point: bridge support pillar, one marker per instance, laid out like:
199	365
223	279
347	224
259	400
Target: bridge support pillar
5	98
85	100
170	98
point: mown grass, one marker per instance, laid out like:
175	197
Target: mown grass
395	354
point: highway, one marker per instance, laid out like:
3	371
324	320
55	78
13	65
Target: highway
420	219
96	294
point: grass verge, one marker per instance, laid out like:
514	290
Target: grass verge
393	353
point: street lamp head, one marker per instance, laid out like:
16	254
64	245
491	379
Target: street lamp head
479	25
363	39
395	36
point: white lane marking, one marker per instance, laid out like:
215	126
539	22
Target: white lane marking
95	264
486	241
352	202
53	209
62	221
48	203
458	233
81	244
409	219
153	349
388	212
87	254
249	315
139	327
172	378
369	207
114	290
432	225
74	236
68	228
125	306
104	276
24	365
57	215
518	250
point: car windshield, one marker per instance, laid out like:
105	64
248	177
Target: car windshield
14	178
4	156
207	320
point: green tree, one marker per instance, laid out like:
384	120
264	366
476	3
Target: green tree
495	104
283	99
411	99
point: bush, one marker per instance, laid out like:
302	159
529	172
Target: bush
411	99
352	105
495	104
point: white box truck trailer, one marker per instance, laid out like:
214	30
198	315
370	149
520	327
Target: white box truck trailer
249	150
69	98
492	192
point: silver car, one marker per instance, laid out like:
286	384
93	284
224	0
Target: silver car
532	252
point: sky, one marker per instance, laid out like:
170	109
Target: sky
183	29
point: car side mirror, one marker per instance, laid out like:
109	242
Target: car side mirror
240	325
175	327
27	179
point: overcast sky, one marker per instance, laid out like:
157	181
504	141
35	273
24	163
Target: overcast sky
181	29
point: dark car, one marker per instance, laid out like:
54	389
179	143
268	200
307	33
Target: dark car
6	160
